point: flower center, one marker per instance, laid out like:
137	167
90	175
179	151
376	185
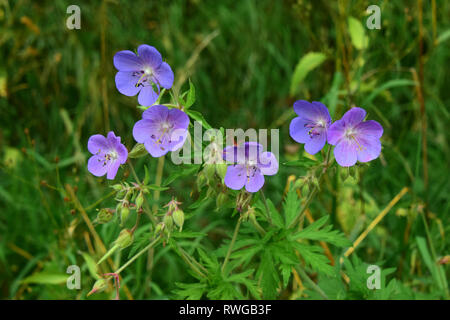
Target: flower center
145	75
165	125
148	71
351	134
315	127
108	157
251	163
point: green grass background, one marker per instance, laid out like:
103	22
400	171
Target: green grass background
58	85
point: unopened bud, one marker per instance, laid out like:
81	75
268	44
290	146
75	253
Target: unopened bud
124	239
121	194
201	180
137	151
124	213
159	227
315	182
221	169
99	286
178	218
209	170
221	199
211	192
139	200
104	215
251	214
117	187
168	221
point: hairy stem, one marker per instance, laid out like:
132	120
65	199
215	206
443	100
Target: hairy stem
146	206
233	240
158	179
195	266
137	255
312	193
313	285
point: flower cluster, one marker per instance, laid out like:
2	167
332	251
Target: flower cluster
161	130
354	139
249	167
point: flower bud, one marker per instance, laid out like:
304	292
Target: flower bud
201	180
99	286
117	187
104	215
124	213
139	200
124	239
209	170
121	194
251	214
221	169
221	199
211	192
159	227
137	151
178	218
168	221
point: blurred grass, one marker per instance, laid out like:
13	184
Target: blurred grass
57	85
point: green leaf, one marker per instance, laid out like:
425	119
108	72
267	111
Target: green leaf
46	278
291	206
190	291
307	63
387	85
285	273
188	234
91	265
198	117
181	171
303	162
314	257
436	271
137	151
276	217
269	276
190	95
357	34
443	37
313	232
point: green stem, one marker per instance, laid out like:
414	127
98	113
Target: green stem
233	240
312	193
96	203
158	179
133	172
313	285
146	206
258	226
190	261
137	255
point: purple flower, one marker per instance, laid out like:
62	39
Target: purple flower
354	138
161	130
250	166
310	127
108	155
144	73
